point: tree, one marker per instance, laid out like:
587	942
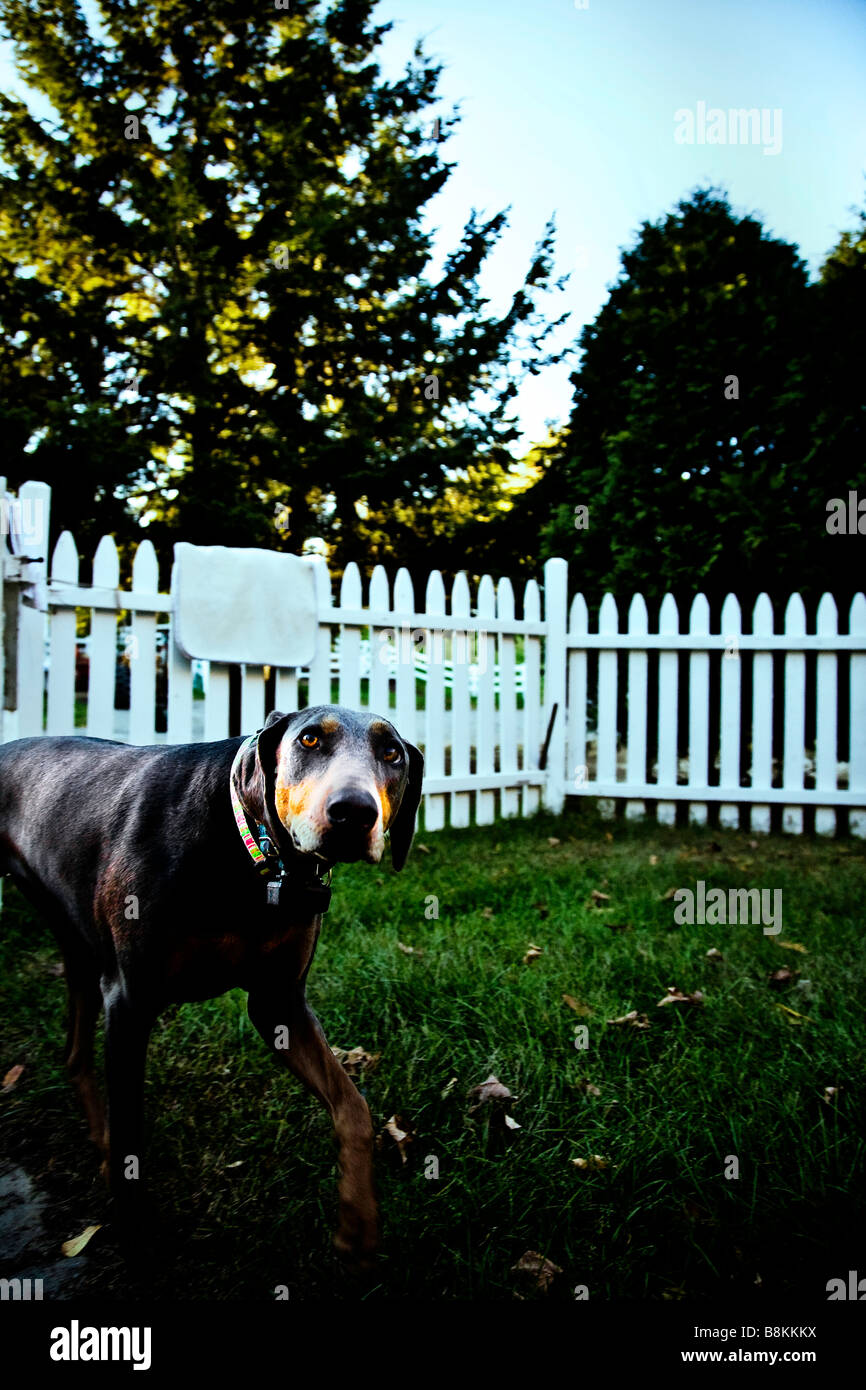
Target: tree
694	440
213	297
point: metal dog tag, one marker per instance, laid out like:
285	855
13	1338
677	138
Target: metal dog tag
273	886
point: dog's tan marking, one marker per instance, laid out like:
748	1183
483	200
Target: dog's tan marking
293	800
329	725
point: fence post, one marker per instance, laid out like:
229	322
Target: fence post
31	620
556	622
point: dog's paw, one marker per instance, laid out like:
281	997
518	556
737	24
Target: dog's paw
357	1237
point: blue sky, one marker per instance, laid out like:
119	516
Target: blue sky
571	111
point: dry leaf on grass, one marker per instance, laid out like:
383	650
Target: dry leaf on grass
487	913
75	1246
423	848
553	842
653	859
714	954
532	953
10	1080
583	1009
793	946
536	1268
490	1092
356	1059
676	996
409	950
669	894
831	1094
596	898
777	979
588	1087
793	1015
631	1020
594	1162
398	1137
449	1088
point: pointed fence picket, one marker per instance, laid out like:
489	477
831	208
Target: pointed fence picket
825	717
61	672
102	665
794	756
461	705
762	716
729	719
699	708
636	740
434	703
480	690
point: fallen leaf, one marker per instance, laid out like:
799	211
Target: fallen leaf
793	946
535	1267
777	979
553	842
608	836
511	1123
77	1243
409	950
753	844
583	1009
676	996
490	1092
422	848
55	969
669	894
830	1094
631	1020
714	954
653	859
238	1163
10	1080
356	1059
595	1161
401	1137
532	953
588	1087
792	1013
449	1088
487	913
599	897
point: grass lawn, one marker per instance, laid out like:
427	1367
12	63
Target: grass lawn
241	1161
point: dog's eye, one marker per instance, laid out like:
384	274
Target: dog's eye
391	754
310	740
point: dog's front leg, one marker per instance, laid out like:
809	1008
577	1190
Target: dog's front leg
127	1030
292	1031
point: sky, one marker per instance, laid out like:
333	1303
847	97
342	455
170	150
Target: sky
572	111
575	108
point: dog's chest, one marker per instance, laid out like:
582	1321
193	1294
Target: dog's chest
206	963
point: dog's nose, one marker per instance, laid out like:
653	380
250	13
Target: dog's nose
352	811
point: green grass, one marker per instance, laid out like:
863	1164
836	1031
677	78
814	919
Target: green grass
740	1076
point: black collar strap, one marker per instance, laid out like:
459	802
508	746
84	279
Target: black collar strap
283	889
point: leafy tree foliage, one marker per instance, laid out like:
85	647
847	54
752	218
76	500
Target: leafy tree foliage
214	301
718	406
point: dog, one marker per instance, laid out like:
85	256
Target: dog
175	873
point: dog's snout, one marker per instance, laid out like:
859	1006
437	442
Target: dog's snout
352	810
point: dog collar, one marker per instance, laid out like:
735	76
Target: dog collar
266	857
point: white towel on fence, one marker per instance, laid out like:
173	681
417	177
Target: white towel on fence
236	605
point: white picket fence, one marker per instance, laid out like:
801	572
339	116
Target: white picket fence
482	692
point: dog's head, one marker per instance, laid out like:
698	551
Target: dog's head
331	782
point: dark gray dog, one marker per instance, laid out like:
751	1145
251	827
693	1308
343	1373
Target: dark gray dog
176	873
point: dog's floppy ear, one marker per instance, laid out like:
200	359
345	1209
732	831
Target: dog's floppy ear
258	771
403	824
